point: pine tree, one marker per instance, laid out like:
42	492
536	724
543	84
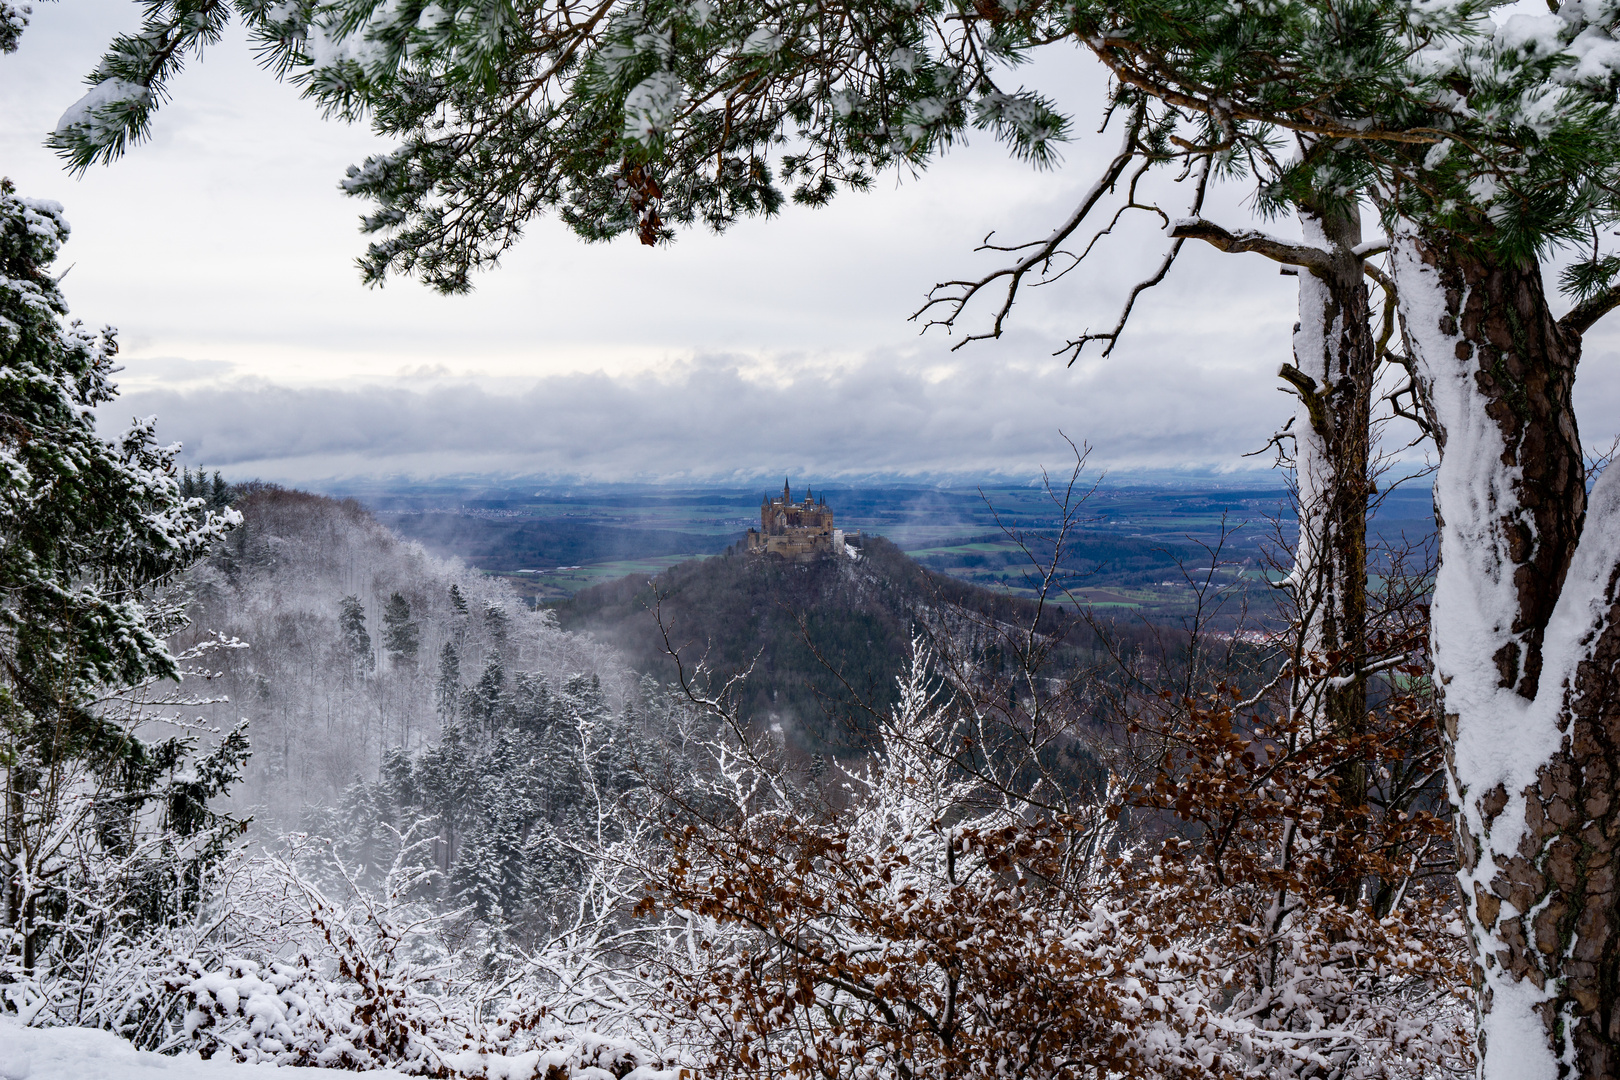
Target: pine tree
498	624
530	703
13	21
363	841
447	784
492	871
447	689
459	616
219	492
485	702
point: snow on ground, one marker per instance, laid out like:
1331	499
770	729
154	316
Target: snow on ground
83	1054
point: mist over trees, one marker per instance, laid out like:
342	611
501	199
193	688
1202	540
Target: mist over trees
360	643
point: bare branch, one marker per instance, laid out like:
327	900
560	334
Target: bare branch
1112	336
1313	259
956	295
1417	411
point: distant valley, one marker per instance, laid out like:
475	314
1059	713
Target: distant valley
1134	549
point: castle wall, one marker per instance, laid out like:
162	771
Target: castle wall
795	531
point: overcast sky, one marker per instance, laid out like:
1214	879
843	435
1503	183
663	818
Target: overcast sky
223	252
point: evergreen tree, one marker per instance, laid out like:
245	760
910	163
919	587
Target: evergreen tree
447	689
363	840
498	624
90	531
353	638
400	635
492	870
13	21
219	492
459	615
530	703
485	703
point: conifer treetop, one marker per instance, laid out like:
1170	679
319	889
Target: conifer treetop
642	117
87	525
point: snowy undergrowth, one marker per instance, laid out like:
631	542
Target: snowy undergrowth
278	973
80	1053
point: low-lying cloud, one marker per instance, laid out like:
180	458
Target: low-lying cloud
718	418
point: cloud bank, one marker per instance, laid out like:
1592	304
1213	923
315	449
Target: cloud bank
718	418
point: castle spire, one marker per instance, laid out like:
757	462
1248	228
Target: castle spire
786	498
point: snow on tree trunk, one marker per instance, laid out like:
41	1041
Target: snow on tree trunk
1335	358
1526	644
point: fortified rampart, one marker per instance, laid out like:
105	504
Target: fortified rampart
799	531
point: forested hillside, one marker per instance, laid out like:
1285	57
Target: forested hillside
821	641
509	543
355	641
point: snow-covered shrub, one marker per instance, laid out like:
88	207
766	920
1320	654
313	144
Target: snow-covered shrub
277	969
388	946
373	981
933	926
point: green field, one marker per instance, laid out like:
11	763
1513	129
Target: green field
1155	577
565	581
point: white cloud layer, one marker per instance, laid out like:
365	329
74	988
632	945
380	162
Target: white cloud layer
720	418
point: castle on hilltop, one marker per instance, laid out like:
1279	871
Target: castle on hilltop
798	532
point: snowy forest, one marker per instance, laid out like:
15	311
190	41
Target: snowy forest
282	789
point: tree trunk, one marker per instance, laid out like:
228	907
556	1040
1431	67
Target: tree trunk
1526	642
1335	362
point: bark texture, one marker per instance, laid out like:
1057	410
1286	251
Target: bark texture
1527	649
1526	375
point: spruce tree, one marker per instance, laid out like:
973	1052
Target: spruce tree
401	636
485	702
219	491
91	530
354	640
498	624
530	703
447	688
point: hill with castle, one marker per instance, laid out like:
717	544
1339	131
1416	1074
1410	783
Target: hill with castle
822	636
